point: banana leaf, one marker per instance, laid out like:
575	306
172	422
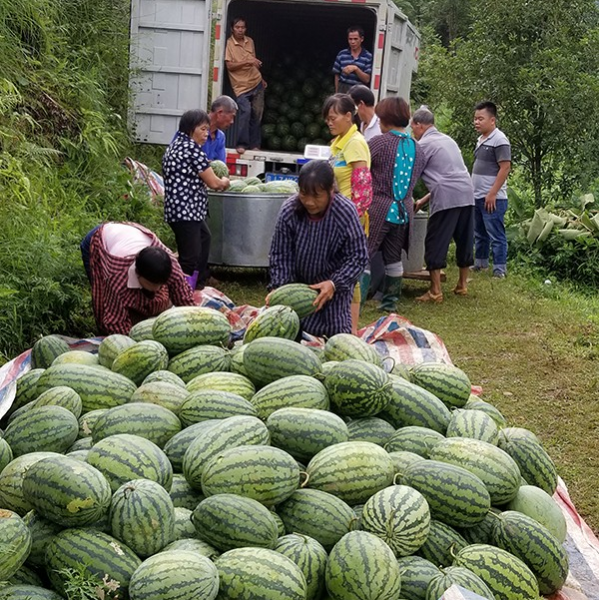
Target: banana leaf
545	232
573	234
537	225
586	200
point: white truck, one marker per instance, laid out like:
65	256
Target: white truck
178	50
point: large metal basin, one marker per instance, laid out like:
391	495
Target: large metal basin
242	227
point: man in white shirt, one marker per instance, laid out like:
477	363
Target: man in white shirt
364	99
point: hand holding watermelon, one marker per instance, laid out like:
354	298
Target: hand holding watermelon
326	290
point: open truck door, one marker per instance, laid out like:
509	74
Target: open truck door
170	53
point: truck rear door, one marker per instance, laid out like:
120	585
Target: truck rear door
170	52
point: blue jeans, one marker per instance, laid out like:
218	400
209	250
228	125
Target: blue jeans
249	117
489	234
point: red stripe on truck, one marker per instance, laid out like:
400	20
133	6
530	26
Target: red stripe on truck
381	40
377	82
217	32
215	74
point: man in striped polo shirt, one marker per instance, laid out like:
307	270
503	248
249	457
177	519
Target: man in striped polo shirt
492	163
353	65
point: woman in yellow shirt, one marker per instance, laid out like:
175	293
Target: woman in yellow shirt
350	159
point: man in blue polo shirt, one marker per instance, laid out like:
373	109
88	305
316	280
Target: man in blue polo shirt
222	114
353	65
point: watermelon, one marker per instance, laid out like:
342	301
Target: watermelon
298	296
303	432
224	382
15	543
193	545
227	521
259	574
176	575
317	514
111	346
400	516
457	576
505	575
26	576
361	566
515	433
162	393
236	364
88	420
67	491
199	360
450	384
345	346
310	556
472	424
97	554
370	429
79	357
204	405
412	438
150	421
416	574
42	531
533	543
183	495
61	395
142	516
176	447
138	361
26	388
220	168
481	533
455	496
143	330
46	349
263	473
475	403
353	471
441	544
184	528
165	377
402	459
6	454
124	457
27	592
299	391
183	327
273	321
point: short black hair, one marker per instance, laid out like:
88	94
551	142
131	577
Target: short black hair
316	175
236	20
340	103
357	28
361	93
489	106
192	119
154	264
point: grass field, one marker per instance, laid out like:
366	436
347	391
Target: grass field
534	349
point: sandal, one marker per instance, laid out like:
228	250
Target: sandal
428	297
460	291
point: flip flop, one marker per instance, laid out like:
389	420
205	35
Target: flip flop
428	297
459	291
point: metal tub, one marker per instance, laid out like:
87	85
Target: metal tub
242	227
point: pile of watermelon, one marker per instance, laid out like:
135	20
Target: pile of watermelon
254	185
168	466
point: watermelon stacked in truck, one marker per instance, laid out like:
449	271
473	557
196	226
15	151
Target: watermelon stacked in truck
171	466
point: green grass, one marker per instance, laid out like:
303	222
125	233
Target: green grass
534	349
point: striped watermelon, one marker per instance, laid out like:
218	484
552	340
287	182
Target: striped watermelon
273	321
61	395
475	403
123	457
175	575
11	482
357	388
193	545
88	420
79	357
361	566
204	405
441	544
508	434
317	514
97	386
402	459
370	429
259	574
150	421
15	543
412	405
412	438
46	349
299	391
450	384
455	496
225	382
494	467
162	393
280	525
143	330
184	327
472	424
535	464
457	576
416	574
98	554
142	516
45	429
6	454
228	521
42	531
310	556
506	576
303	432
184	528
26	389
266	474
111	346
176	447
237	365
67	491
538	504
26	576
400	516
269	358
183	495
353	471
345	346
298	296
199	360
532	543
401	370
138	361
27	592
164	376
81	444
481	533
78	454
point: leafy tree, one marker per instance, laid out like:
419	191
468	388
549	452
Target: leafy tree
538	62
